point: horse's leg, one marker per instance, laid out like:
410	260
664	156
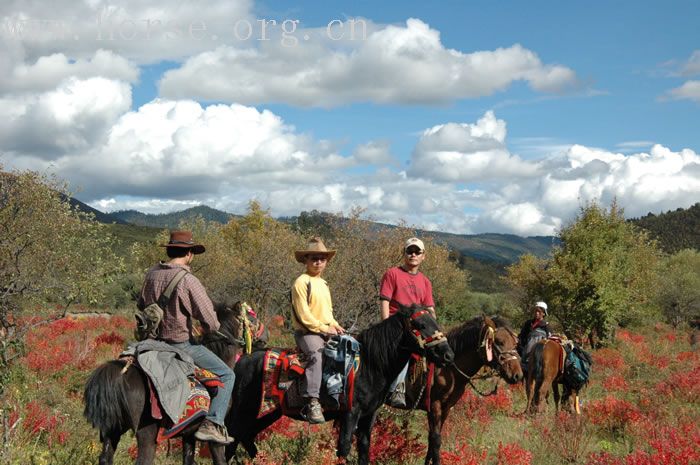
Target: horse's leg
555	393
218	453
188	449
348	422
146	441
436	419
364	436
538	395
109	445
529	408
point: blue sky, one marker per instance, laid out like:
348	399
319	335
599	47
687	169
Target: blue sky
460	116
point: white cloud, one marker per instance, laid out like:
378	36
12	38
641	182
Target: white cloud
373	153
692	66
395	64
144	32
460	152
74	117
690	90
48	71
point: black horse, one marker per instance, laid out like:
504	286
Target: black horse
117	400
384	350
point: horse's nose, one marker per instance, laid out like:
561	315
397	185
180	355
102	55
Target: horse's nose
449	357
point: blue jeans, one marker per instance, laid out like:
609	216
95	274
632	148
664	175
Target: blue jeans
399	379
205	358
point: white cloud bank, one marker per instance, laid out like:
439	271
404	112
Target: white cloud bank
394	64
461	178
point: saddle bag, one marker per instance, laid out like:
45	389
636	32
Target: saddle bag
148	319
577	367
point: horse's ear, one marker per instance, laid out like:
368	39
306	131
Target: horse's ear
405	311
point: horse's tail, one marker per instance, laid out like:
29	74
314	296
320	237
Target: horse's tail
537	362
105	397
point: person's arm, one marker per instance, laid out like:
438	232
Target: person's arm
384	308
429	302
386	292
202	307
302	311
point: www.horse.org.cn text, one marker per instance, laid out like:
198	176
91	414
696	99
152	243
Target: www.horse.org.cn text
107	28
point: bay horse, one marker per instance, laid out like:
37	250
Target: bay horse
481	341
117	399
545	372
384	350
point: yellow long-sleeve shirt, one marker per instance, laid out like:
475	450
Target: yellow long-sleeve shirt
313	314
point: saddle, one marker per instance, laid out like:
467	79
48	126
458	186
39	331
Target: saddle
561	341
282	378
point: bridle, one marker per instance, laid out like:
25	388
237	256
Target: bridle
425	342
501	357
504	356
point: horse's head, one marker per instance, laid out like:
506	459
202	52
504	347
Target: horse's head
229	318
425	334
505	357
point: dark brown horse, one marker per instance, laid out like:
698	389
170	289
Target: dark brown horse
117	400
479	342
546	363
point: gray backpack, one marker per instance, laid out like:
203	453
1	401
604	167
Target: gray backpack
148	319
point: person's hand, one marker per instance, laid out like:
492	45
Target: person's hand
339	329
332	331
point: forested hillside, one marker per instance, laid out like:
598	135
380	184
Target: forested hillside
675	230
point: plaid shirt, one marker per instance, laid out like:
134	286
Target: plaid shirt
188	300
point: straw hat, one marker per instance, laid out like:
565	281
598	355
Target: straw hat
315	247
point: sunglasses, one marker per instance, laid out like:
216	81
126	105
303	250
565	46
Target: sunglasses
414	252
318	258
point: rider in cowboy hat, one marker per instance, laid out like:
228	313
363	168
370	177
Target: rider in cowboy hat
189	300
313	320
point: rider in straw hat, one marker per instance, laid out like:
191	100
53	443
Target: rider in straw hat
313	319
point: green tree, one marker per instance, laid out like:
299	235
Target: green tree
679	287
49	253
601	276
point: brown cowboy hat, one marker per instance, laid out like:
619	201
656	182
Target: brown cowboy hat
184	239
316	247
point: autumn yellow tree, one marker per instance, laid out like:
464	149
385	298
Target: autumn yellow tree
49	253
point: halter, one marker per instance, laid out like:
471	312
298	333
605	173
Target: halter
430	341
502	356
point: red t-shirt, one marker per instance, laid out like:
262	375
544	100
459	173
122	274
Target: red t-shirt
398	286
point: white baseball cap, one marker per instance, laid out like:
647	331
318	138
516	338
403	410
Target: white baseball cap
415	241
542	305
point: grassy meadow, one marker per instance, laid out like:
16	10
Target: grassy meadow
641	407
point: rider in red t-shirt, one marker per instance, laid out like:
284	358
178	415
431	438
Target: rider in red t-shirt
405	285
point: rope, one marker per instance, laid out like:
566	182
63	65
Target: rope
470	378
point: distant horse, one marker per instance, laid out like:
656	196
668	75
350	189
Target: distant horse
545	371
477	342
117	401
384	350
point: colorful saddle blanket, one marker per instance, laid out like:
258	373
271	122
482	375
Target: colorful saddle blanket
281	386
203	387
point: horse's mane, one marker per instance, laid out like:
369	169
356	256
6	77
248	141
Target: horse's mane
465	336
501	322
379	341
229	327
